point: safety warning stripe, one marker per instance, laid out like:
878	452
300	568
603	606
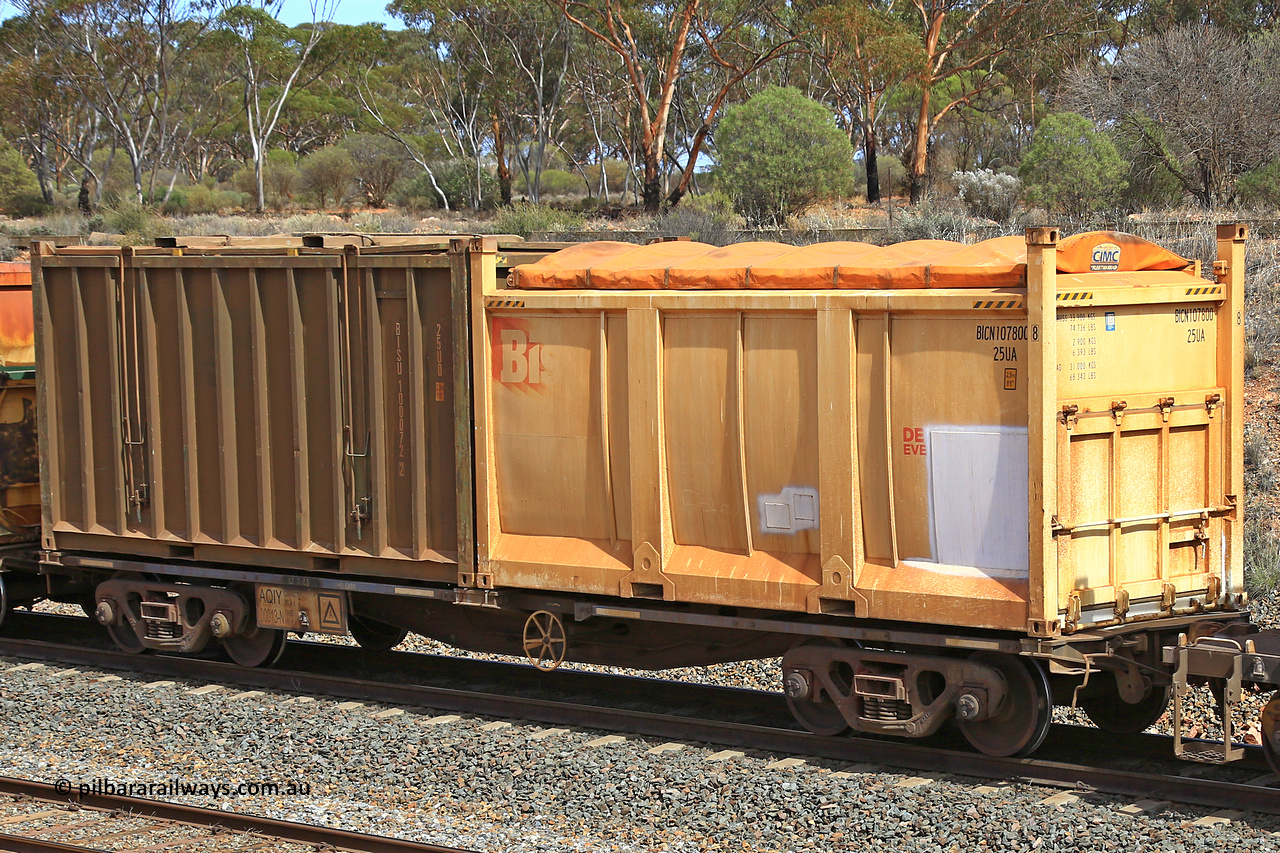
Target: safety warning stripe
998	303
1204	291
505	303
1075	296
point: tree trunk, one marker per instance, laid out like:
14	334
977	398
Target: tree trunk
42	170
257	177
136	162
504	168
82	198
873	166
652	183
920	157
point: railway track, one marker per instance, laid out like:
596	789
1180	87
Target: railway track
1073	756
37	818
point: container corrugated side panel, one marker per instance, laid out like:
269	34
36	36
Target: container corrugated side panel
274	409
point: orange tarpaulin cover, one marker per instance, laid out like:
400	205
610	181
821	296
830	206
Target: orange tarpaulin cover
17	325
1114	251
15	273
1000	262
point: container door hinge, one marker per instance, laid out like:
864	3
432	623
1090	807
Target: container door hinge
1165	406
1070	414
1117	409
1212	402
1212	590
1168	596
1073	610
1122	603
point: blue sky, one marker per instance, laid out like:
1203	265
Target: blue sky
348	12
299	11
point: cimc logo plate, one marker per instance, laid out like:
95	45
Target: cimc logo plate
1105	258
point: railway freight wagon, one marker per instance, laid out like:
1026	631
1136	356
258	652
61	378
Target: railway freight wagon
944	481
19	460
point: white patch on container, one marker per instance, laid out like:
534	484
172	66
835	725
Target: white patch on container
978	501
964	571
792	511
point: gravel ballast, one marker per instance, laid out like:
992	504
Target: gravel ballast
493	785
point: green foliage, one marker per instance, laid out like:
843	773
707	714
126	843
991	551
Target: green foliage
615	175
526	218
458	180
280	179
204	199
383	222
893	175
706	218
380	163
19	190
929	222
1260	187
327	175
1151	185
1261	557
780	153
559	183
1072	168
716	204
988	194
130	219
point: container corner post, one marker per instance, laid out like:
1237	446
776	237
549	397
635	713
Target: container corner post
1229	270
1042	434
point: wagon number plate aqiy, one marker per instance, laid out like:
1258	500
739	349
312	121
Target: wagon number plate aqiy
293	609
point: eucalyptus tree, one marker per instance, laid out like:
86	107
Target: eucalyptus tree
1197	101
121	58
657	42
415	93
867	54
503	76
964	44
268	59
41	117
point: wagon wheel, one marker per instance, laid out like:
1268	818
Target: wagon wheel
125	639
544	640
1111	713
122	631
1021	723
257	647
822	717
374	635
1271	733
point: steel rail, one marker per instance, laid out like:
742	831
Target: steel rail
18	844
896	753
195	816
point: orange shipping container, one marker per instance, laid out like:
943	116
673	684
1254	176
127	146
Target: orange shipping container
1013	435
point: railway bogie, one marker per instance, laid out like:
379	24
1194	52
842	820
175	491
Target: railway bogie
942	483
